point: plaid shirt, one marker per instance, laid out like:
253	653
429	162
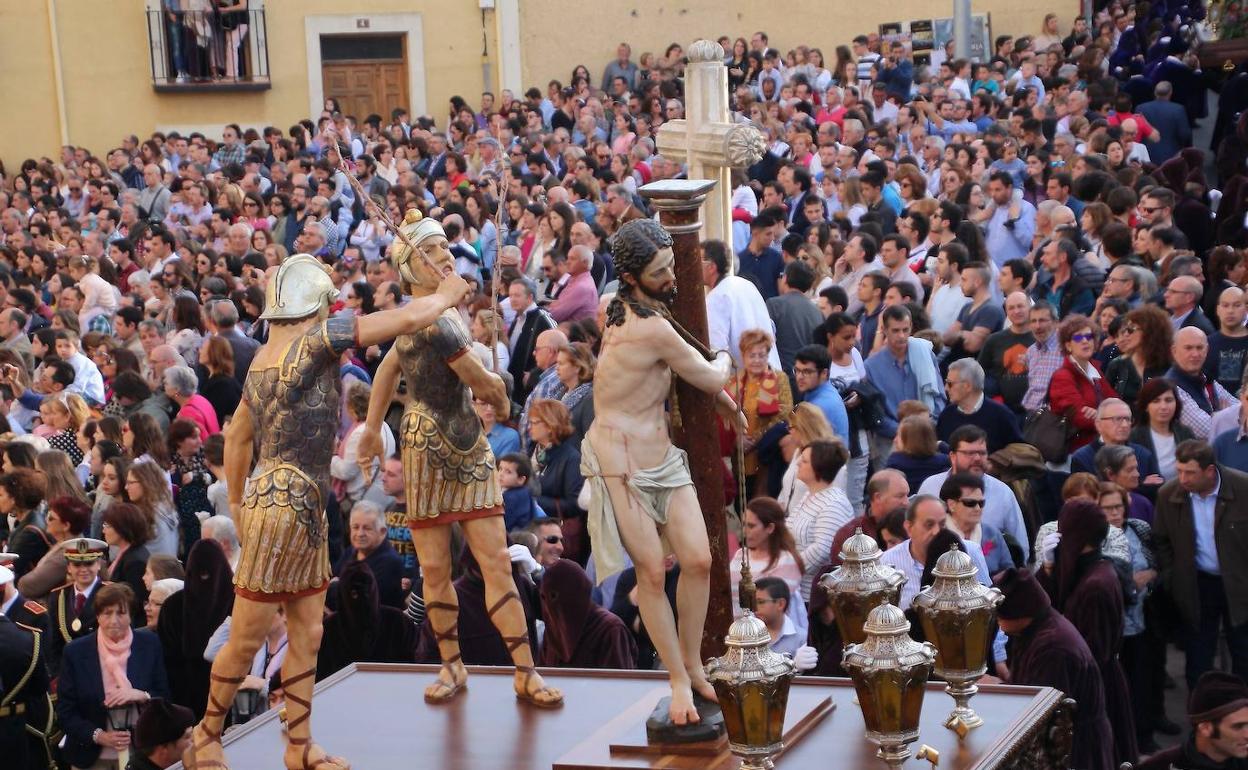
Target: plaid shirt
1198	420
229	153
1043	360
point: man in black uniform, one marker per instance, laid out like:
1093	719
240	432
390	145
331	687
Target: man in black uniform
72	605
14	606
25	707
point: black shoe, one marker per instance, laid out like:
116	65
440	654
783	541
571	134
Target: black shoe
1166	727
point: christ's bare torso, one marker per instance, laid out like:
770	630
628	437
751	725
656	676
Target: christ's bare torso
631	386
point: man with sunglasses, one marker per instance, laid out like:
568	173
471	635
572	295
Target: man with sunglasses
549	541
968	453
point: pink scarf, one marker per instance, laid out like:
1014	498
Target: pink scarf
113	658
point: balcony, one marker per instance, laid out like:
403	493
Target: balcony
198	51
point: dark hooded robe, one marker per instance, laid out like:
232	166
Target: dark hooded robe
480	642
188	620
1086	589
579	633
363	629
1051	653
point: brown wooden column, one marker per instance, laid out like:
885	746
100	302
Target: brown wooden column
678	202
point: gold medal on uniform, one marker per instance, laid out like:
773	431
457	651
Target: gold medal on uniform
76	626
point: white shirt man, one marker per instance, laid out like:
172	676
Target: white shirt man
733	306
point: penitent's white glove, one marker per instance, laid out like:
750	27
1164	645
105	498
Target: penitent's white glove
805	658
520	554
1048	546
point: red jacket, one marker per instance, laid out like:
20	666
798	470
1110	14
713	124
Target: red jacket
1070	390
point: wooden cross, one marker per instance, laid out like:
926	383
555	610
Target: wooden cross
707	140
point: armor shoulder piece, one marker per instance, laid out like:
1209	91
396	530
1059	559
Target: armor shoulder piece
448	335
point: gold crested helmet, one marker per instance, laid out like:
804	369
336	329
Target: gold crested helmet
417	228
301	287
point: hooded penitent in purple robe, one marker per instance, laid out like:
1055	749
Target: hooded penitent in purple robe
1049	652
579	633
1085	588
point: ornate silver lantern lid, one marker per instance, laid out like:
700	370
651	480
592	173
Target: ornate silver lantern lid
859	547
861	570
956	586
888	643
748	631
749	657
954	564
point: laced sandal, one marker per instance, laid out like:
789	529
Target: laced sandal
190	757
516	642
326	762
532	697
443	691
333	763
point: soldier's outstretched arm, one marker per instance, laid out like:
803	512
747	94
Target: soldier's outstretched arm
239	435
383	326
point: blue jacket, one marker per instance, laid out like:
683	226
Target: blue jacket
830	402
80	690
897	80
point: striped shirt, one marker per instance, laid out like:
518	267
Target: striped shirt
814	523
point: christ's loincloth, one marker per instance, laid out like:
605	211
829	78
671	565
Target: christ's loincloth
651	489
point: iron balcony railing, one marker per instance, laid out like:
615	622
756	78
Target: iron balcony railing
208	49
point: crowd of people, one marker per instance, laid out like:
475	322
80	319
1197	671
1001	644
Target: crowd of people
993	304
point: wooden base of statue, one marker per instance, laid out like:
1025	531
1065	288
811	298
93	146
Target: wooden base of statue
1221	57
374	714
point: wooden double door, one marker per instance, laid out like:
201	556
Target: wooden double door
366	74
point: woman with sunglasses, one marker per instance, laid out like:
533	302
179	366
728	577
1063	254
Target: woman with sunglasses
1078	386
1144	351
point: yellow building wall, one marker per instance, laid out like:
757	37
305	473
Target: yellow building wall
107	76
653	25
107	70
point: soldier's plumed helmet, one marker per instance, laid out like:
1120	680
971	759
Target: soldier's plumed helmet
301	287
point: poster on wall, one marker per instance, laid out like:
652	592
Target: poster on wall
891	33
943	33
921	35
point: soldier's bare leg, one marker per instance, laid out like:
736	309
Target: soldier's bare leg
433	551
488	541
249	625
304	626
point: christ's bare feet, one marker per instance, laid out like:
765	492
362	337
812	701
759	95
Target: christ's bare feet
703	688
682	711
